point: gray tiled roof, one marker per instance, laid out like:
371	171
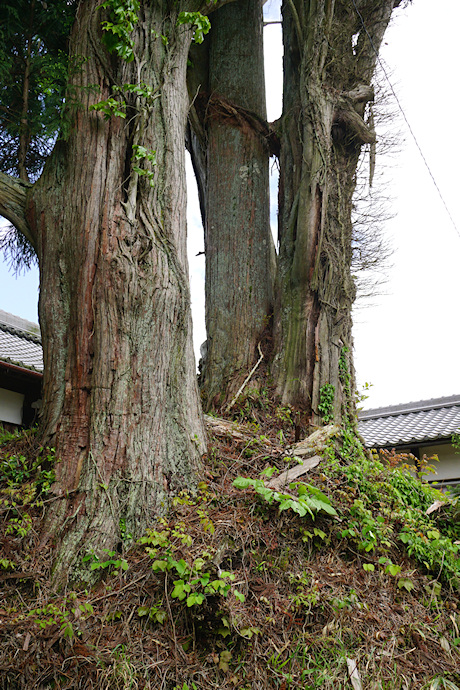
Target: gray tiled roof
416	422
20	342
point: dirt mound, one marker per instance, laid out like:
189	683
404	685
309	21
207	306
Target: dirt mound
338	576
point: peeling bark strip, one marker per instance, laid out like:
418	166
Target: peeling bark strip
329	61
231	153
231	114
121	403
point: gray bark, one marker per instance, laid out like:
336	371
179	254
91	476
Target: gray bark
329	61
231	160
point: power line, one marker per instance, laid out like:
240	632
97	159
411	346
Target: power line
405	118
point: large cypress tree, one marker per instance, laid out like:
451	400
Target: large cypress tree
230	146
107	219
330	53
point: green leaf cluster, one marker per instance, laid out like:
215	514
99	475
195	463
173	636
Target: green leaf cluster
201	24
385	504
34	54
140	153
309	500
23	485
195	582
456	442
53	615
123	16
326	402
116	105
116	564
110	108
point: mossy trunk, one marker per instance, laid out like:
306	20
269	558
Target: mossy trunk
120	402
231	160
330	52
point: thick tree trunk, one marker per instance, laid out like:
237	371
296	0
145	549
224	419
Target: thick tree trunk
329	60
121	403
240	256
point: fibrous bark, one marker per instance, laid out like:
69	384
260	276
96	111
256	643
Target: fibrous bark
231	160
120	399
13	200
330	52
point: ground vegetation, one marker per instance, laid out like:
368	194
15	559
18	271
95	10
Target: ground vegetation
342	575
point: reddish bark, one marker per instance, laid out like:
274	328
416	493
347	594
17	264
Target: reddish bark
120	401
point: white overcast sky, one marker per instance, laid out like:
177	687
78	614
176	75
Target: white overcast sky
406	341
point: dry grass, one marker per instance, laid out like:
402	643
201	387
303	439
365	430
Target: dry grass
309	604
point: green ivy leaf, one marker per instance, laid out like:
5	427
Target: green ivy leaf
180	590
243	482
195	598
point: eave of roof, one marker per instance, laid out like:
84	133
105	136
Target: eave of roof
410	423
394	410
12	366
20	343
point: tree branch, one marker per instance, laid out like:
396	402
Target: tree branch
13	196
363	93
354	125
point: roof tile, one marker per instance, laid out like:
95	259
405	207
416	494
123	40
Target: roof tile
427	420
20	348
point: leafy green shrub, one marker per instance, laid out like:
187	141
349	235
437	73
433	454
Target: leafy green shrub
386	504
195	582
309	499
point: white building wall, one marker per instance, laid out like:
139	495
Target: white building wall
11	406
448	466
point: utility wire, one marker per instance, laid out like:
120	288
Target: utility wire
405	118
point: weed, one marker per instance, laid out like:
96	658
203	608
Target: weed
194	583
285	415
114	565
309	499
16	470
441	683
307	594
389	495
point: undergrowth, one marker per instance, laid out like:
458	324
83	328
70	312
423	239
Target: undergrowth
251	581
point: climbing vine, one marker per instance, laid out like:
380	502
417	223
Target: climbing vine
326	402
201	24
123	15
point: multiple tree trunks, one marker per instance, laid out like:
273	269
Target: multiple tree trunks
120	401
329	60
229	118
121	404
330	52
